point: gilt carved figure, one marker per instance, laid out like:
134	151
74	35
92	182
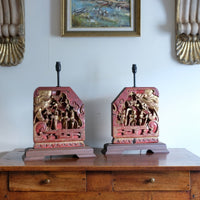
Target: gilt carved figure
59	118
135	116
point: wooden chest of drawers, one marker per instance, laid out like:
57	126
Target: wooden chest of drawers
136	177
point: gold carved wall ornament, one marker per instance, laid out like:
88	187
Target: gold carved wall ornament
187	31
12	42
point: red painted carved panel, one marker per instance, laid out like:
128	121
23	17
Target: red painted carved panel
135	116
59	118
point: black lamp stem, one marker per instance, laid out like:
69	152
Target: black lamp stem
134	70
58	69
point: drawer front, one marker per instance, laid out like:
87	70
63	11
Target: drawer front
82	196
47	181
183	195
166	181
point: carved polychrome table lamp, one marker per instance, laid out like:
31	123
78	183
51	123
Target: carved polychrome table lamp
58	123
135	121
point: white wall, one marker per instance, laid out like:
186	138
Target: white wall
97	69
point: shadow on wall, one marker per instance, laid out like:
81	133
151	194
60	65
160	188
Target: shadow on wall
169	27
55	17
98	122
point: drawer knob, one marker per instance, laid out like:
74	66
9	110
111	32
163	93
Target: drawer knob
152	180
46	181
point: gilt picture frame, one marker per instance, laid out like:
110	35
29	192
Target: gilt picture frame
85	18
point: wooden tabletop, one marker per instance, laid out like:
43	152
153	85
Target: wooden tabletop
176	159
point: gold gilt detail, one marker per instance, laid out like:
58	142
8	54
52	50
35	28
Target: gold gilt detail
11	51
12	33
188	49
139	109
187	31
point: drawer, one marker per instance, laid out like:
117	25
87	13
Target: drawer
47	181
165	181
179	195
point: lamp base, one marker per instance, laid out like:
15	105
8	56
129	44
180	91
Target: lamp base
111	149
40	154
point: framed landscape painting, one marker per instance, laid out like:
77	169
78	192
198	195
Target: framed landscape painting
100	18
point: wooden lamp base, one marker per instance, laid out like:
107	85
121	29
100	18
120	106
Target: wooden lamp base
111	149
40	154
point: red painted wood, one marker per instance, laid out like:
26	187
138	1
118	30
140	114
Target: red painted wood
59	118
134	116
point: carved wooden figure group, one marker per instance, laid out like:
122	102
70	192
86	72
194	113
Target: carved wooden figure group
59	118
135	116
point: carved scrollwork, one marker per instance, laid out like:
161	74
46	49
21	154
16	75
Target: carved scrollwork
58	118
53	111
136	119
139	109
